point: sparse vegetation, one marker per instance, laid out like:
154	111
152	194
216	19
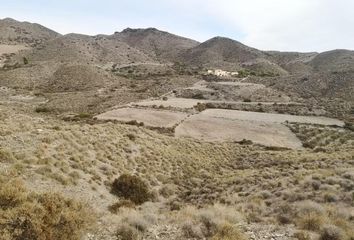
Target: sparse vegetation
170	186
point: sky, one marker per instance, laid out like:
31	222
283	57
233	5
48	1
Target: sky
284	25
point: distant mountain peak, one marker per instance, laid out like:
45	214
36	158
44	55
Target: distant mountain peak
8	20
137	30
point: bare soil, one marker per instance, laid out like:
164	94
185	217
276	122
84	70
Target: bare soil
209	128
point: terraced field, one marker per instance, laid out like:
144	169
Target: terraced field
220	125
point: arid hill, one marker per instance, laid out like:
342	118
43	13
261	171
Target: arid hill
229	54
158	44
32	34
333	61
81	65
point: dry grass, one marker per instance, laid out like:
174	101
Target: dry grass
114	208
263	185
25	215
228	232
213	221
332	233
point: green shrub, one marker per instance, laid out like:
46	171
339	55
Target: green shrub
132	188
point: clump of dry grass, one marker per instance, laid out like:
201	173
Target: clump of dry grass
217	220
134	223
25	215
6	156
228	232
302	236
132	188
311	216
331	232
127	232
114	208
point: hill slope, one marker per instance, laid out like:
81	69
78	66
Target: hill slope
231	55
159	44
32	34
335	61
88	49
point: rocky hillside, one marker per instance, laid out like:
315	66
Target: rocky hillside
333	61
229	54
80	63
88	49
159	44
32	34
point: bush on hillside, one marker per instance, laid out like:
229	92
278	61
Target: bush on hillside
34	216
132	188
331	232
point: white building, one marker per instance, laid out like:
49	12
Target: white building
222	73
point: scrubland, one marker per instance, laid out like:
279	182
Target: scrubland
191	189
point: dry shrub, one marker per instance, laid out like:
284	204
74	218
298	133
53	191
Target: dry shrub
302	236
228	232
26	215
311	221
311	216
285	214
114	208
200	107
127	232
132	188
341	218
168	190
192	230
6	156
206	222
331	232
133	223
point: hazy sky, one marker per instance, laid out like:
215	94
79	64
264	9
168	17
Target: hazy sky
288	25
